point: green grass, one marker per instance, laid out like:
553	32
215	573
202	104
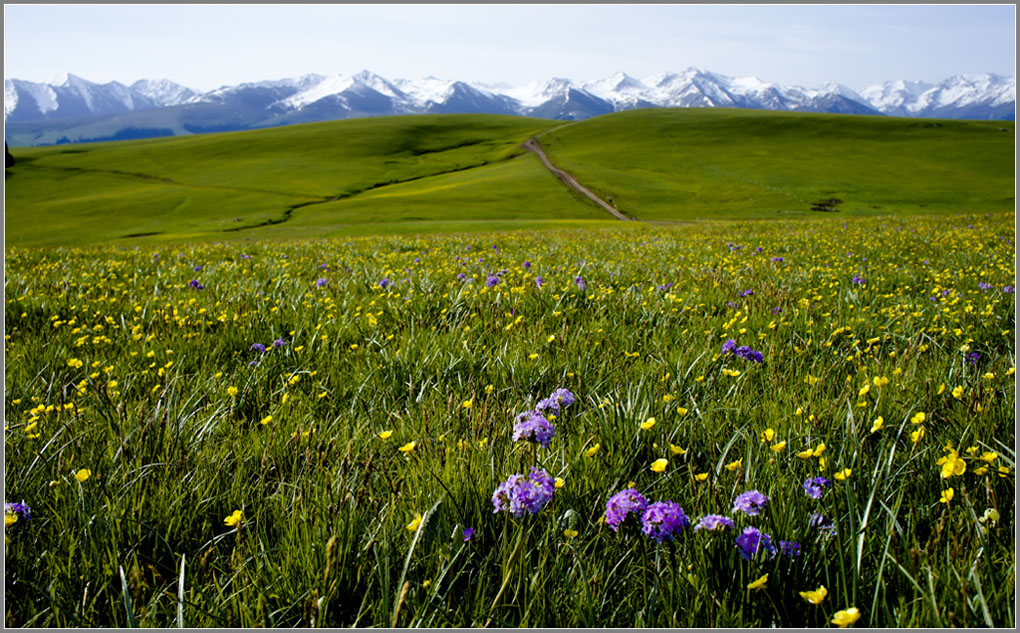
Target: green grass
731	164
468	172
117	365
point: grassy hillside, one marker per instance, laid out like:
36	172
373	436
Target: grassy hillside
468	172
720	163
249	183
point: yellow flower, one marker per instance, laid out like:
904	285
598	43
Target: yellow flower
942	388
806	453
701	476
681	411
732	373
951	465
552	337
591	451
811	380
466	404
877	424
489	389
231	391
819	449
384	435
878	381
767	435
916	436
75	363
989	376
918	418
846	617
659	465
863	391
816	596
778	447
734	465
266	420
676	450
10	518
234	519
758	584
569	533
648	424
83	474
532	356
988	456
415	523
407	448
841	475
559	483
958	392
947	496
1003	471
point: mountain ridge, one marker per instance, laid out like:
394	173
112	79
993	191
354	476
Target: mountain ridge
76	109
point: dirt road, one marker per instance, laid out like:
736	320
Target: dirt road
532	145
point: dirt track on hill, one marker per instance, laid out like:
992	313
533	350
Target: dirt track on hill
532	145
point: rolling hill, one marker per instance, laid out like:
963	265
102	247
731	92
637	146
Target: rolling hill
426	173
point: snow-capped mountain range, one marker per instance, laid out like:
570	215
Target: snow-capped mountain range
175	109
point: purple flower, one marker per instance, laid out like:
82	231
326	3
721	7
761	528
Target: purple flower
664	521
815	487
714	523
580	284
973	358
527	265
746	293
321	282
491	281
984	286
461	276
857	279
776	310
533	427
539	281
751	541
1008	290
258	347
777	259
820	522
789	548
729	346
384	282
197	286
19	508
468	533
751	502
520	494
621	504
279	343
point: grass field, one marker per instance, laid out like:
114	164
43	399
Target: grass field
468	172
311	433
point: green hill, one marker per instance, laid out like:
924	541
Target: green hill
467	172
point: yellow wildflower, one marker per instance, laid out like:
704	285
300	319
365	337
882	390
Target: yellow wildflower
947	496
918	418
83	474
659	465
648	424
759	584
816	596
734	465
235	518
384	435
407	448
846	617
415	523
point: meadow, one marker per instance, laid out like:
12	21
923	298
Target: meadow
811	422
456	173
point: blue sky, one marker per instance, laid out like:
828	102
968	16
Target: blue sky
204	47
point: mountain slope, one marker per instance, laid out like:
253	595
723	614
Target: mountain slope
75	110
454	172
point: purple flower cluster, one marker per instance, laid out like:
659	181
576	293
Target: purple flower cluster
714	523
258	347
384	282
973	358
751	541
789	548
663	521
197	286
321	282
858	280
745	293
580	284
815	487
491	281
742	351
19	508
821	523
519	494
531	426
984	285
559	399
751	503
623	503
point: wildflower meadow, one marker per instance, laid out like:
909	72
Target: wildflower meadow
742	424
